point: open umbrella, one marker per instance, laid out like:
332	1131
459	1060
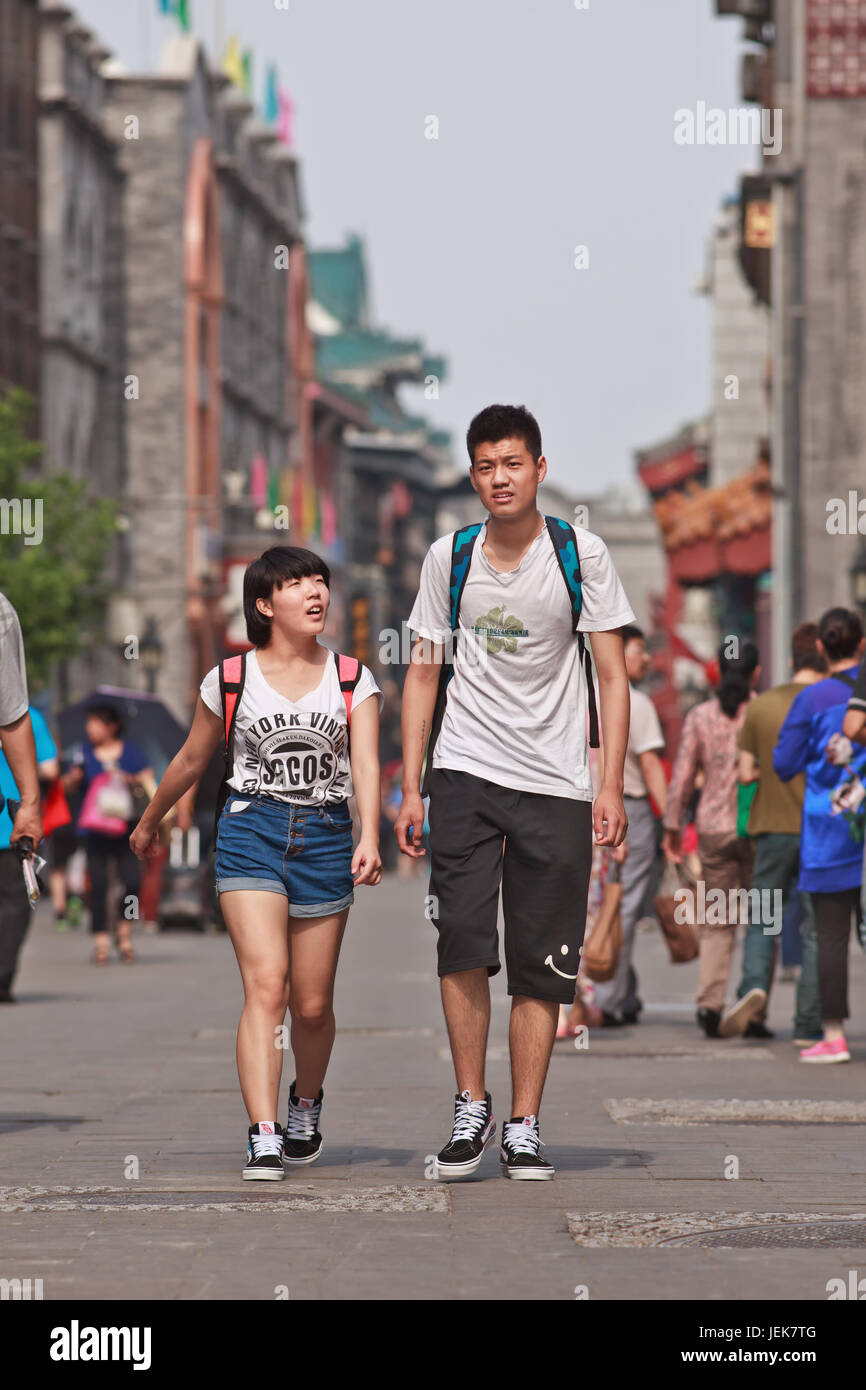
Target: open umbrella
147	721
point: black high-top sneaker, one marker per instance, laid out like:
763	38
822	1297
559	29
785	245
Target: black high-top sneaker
264	1153
519	1156
472	1131
302	1142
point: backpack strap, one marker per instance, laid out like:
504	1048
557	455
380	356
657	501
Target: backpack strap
233	674
565	548
462	544
461	556
348	674
846	678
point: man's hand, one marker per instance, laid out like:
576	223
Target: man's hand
609	820
672	847
411	817
28	821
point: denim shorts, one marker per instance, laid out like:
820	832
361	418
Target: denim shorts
302	852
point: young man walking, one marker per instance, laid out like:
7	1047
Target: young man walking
643	776
509	780
774	822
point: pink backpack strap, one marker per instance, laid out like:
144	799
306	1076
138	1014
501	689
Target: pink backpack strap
348	674
232	676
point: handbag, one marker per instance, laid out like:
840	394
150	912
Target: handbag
681	937
745	797
107	807
55	808
601	952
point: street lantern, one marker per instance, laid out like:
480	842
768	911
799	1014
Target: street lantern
150	654
857	572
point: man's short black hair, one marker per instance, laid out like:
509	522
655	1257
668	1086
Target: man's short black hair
804	653
267	573
631	633
497	422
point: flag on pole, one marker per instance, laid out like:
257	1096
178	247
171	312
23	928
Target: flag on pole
247	65
287	107
233	62
180	10
272	99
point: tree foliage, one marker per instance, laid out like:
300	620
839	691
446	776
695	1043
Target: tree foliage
53	577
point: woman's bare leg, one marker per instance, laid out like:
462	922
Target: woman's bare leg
314	949
258	926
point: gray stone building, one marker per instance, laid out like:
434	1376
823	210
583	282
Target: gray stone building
811	66
739	396
209	198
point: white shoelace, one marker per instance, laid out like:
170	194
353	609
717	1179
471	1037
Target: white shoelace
523	1139
303	1123
263	1144
469	1118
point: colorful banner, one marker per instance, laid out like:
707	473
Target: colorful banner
237	65
271	109
287	108
179	9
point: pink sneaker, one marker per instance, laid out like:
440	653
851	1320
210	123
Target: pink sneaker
827	1052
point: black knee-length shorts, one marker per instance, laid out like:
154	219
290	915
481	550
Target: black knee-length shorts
539	848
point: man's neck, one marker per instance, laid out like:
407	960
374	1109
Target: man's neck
807	676
510	539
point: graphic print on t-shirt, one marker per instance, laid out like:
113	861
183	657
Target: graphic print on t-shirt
501	632
298	754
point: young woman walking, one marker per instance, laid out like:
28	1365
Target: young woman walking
831	853
304	738
708	744
111	765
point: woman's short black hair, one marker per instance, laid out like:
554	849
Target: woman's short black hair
736	673
107	713
841	632
267	573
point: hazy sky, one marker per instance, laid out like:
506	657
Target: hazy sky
555	129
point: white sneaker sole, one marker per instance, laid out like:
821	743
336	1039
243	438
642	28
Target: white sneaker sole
527	1174
827	1061
299	1162
263	1174
737	1019
447	1172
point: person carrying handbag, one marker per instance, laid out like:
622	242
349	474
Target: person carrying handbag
110	768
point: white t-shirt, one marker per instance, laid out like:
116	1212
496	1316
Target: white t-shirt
516	708
295	752
644	734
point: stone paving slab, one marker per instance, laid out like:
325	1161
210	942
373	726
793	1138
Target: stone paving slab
140	1061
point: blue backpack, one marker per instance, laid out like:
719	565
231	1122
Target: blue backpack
565	546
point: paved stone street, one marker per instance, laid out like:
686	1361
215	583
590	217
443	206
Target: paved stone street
103	1067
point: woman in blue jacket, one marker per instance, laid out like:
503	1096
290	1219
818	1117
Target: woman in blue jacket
831	859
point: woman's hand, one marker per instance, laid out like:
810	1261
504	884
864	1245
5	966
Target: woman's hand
367	862
672	847
144	841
